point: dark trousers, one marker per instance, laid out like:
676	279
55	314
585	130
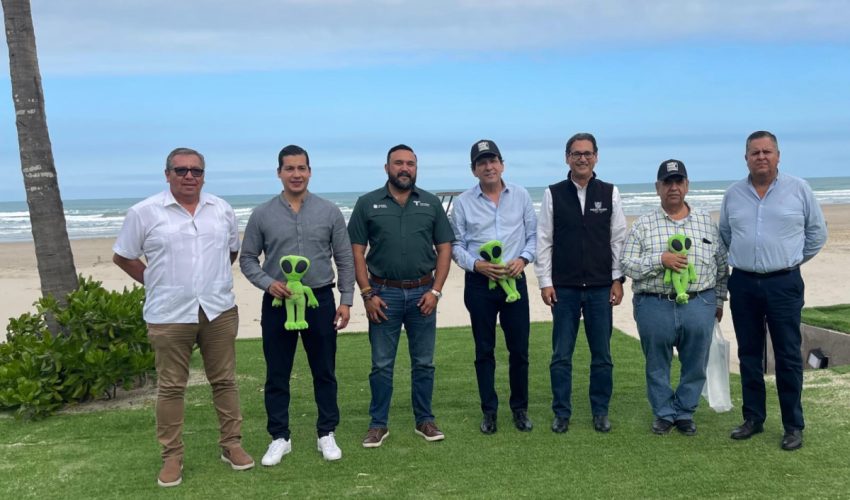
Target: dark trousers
279	349
776	302
484	306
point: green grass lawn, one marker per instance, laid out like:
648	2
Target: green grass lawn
833	317
114	454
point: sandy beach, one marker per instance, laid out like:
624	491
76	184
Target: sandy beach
827	279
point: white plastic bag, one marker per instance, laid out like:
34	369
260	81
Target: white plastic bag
716	389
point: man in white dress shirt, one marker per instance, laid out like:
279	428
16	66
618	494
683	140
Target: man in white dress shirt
189	241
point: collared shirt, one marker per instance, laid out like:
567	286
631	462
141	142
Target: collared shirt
476	219
188	256
780	231
647	240
317	231
545	234
401	239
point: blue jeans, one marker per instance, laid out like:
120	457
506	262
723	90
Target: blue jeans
594	304
664	324
759	305
384	336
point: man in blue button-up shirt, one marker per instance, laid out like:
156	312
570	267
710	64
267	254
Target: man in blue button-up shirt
496	210
771	224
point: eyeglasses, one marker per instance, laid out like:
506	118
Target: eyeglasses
182	171
575	155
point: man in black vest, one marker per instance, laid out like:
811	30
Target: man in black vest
580	235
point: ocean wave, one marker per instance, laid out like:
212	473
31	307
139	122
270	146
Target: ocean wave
103	218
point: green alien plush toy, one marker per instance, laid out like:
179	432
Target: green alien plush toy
294	267
492	252
680	244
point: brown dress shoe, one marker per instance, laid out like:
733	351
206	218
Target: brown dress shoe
237	458
171	473
429	431
375	437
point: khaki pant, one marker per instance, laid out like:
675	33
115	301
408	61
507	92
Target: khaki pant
173	344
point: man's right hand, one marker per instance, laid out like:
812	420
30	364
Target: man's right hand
278	290
674	261
375	306
490	270
548	295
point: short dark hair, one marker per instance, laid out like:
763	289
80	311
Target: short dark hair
498	157
582	136
183	151
291	150
399	147
761	134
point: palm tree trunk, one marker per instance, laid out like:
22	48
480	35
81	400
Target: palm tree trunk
50	236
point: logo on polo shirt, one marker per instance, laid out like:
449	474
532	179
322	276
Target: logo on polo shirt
421	203
597	208
379	205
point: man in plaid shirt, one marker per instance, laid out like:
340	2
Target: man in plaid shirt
662	322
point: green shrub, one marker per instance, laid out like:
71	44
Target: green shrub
103	345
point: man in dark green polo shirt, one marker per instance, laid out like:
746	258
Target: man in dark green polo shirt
410	251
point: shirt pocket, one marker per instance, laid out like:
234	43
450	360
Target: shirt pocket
215	235
702	252
163	299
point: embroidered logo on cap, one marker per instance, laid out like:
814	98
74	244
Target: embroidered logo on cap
483	146
672	166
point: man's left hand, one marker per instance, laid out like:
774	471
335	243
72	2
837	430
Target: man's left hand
616	293
343	314
427	303
515	267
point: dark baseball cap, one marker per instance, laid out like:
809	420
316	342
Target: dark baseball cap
671	168
482	148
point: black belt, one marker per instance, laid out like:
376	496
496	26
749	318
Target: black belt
771	274
669	296
425	280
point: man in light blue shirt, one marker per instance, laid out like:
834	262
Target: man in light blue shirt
496	210
771	224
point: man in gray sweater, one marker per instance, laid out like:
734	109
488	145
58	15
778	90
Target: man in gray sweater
298	222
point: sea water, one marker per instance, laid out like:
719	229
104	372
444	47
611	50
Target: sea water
102	218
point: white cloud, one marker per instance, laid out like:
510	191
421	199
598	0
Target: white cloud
149	36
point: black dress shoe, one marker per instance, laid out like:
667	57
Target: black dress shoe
686	427
601	423
661	426
792	440
521	421
560	425
747	430
488	425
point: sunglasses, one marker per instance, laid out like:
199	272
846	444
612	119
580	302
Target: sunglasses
182	171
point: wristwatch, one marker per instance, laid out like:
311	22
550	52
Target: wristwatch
437	293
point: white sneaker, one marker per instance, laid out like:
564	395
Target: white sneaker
277	449
327	445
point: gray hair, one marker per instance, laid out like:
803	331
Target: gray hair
761	134
182	151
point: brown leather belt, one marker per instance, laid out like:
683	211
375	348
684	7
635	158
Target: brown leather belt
425	280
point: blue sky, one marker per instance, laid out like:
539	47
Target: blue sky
125	82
